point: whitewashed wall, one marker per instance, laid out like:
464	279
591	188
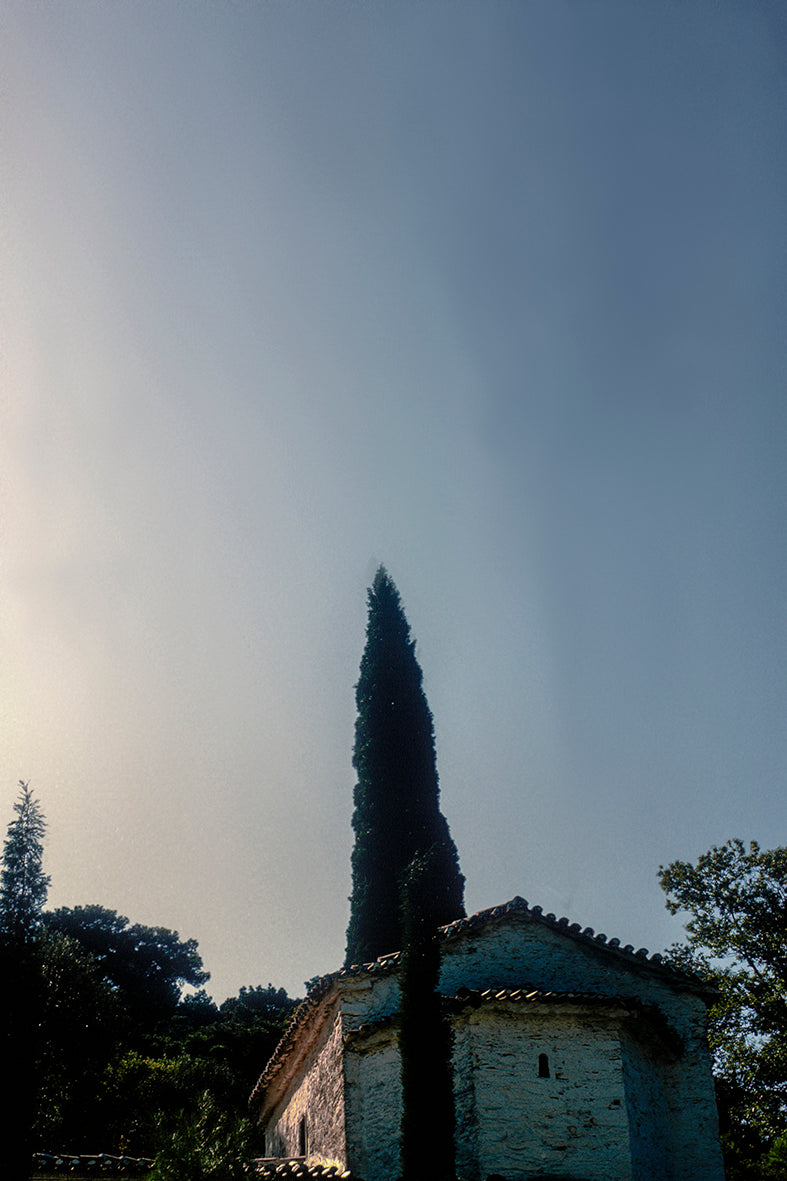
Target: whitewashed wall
373	1105
572	1123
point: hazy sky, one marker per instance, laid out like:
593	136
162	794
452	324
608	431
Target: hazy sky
492	293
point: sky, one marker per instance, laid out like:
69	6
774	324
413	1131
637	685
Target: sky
490	293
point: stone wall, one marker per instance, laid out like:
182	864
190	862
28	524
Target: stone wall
549	1094
576	1085
518	1115
520	951
653	1148
366	999
374	1103
309	1119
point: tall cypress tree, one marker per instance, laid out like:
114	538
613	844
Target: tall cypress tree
397	800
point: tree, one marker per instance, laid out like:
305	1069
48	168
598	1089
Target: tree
153	1092
81	1019
146	1048
396	800
425	1038
21	1050
247	1031
23	883
148	965
737	939
23	889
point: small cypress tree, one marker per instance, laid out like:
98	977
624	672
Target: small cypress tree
425	1040
397	801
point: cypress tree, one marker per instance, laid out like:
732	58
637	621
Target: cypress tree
425	1039
397	801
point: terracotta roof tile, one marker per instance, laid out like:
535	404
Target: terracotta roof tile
89	1165
284	1168
538	996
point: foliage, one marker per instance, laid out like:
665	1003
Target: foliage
101	1039
81	1019
776	1163
425	1039
205	1143
737	939
149	966
161	1065
243	1037
268	1004
397	812
23	889
139	1087
21	1047
23	883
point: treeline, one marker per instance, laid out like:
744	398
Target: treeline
110	1043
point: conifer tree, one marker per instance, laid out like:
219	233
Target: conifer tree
23	883
425	1038
397	801
23	890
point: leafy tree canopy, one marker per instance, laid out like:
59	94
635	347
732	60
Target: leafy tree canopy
148	965
736	900
245	1035
23	890
80	1017
253	1004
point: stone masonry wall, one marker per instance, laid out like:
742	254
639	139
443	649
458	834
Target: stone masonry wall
653	1148
374	1105
522	951
312	1116
510	1120
628	1095
550	1095
367	999
467	1129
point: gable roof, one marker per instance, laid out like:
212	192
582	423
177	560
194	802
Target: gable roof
517	909
641	958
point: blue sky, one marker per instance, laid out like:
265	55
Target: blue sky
491	293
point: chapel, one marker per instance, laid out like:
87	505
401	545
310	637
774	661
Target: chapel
574	1058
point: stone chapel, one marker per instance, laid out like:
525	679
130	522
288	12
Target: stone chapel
574	1058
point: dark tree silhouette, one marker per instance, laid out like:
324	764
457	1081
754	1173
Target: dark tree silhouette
147	965
23	890
425	1039
397	801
